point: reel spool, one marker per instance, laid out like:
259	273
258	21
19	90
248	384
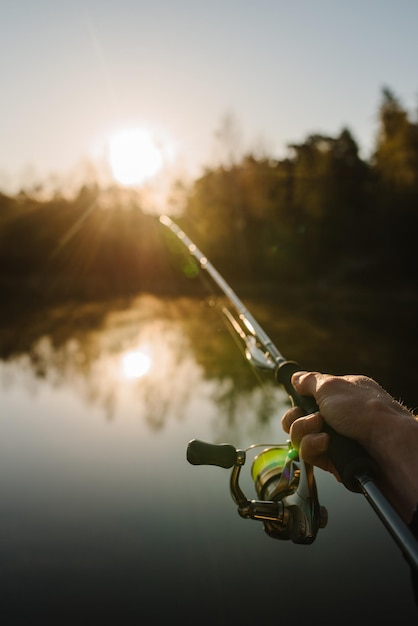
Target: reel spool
274	474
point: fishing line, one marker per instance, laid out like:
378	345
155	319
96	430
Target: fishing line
217	301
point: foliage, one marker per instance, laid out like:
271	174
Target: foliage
321	216
92	247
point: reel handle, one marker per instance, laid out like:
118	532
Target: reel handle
202	453
348	456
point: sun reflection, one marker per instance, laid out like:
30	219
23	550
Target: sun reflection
135	364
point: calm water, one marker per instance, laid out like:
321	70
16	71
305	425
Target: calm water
102	520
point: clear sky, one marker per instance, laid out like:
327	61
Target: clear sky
74	72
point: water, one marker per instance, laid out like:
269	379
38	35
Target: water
102	520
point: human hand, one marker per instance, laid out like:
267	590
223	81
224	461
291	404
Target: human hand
359	408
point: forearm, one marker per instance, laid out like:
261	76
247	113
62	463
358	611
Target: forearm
395	450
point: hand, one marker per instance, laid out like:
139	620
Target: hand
359	408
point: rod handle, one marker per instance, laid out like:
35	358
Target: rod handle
202	453
348	456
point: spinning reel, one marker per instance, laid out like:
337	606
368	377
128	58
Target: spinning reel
288	502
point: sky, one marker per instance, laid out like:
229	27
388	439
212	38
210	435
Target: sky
74	73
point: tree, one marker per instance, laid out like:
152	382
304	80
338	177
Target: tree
396	189
396	155
228	137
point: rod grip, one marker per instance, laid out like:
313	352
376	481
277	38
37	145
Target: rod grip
348	456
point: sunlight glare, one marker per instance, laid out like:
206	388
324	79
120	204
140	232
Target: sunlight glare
134	156
135	364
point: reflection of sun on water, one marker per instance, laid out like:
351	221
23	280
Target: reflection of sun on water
135	364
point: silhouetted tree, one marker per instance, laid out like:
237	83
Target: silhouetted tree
395	163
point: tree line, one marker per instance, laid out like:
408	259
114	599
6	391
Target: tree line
322	215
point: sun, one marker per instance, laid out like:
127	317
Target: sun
134	156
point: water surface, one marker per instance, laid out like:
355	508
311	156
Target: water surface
102	520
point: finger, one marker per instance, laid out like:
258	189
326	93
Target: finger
306	383
313	447
314	450
303	426
290	416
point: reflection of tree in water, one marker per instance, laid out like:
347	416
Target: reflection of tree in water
191	351
242	414
89	360
82	347
241	393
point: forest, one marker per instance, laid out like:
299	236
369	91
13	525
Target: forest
322	217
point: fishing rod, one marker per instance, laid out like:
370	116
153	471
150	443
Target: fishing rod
288	502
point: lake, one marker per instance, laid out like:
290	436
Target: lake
102	520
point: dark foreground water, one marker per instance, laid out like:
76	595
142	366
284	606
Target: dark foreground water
102	520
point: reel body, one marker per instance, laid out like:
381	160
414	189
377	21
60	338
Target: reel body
287	501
